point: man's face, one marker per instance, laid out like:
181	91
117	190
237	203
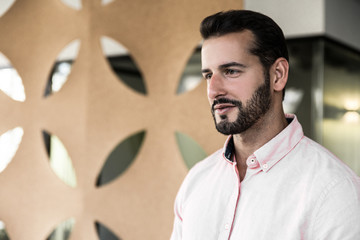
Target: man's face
238	90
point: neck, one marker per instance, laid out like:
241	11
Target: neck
248	142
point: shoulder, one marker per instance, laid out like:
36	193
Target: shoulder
322	161
323	173
333	189
198	174
195	179
204	166
331	177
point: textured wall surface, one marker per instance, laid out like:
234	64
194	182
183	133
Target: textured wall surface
94	111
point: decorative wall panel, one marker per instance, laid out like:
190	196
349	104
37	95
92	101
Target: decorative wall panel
93	112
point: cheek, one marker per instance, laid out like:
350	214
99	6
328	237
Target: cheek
243	91
246	86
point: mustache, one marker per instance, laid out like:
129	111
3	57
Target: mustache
225	100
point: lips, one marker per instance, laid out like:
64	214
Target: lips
223	108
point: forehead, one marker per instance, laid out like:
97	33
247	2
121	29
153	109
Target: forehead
226	48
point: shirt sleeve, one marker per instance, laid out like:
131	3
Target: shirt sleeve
338	211
177	228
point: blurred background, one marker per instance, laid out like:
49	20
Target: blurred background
104	110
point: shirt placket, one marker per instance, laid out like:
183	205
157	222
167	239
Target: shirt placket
229	217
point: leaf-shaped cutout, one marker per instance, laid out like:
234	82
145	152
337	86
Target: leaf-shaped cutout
9	144
104	233
123	64
3	233
105	2
63	230
190	150
120	158
4	7
60	160
11	83
74	4
191	76
62	67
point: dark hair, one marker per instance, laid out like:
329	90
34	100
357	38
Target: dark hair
269	43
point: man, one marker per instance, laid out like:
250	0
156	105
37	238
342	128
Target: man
269	181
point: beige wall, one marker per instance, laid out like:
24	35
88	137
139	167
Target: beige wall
94	111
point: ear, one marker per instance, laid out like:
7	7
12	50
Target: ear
281	71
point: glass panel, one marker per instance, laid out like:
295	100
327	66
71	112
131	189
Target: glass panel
62	67
190	150
74	4
60	160
341	124
191	76
63	230
120	158
104	233
9	144
123	64
3	234
5	5
299	96
11	83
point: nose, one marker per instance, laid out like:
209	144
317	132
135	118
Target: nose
215	87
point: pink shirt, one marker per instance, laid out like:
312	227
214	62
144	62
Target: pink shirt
293	189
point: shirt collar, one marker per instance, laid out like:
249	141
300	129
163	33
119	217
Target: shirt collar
274	150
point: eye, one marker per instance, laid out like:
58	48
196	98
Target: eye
207	76
231	71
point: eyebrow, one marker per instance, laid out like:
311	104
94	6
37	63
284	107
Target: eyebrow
232	64
226	65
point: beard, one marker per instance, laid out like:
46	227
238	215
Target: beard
255	108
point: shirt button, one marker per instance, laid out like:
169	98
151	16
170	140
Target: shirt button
265	166
227	226
252	163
